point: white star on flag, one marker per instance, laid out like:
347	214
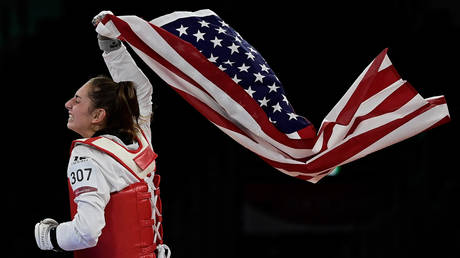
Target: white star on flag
264	67
250	55
259	77
273	88
292	116
250	91
204	23
213	58
199	35
233	48
263	102
228	62
285	99
182	30
216	41
276	107
220	30
243	68
235	79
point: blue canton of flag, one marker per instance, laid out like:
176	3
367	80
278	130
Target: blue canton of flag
224	47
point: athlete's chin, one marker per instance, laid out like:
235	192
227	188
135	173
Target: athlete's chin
71	127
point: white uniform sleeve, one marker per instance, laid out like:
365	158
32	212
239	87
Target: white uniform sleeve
92	195
122	67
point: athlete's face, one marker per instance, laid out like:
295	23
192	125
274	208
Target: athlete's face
82	116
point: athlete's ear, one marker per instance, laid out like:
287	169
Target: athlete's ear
98	115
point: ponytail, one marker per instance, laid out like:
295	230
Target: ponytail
119	100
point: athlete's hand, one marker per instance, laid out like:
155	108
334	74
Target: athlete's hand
42	233
105	44
98	18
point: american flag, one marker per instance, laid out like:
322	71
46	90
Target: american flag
233	55
228	81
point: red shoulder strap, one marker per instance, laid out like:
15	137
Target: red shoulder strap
139	162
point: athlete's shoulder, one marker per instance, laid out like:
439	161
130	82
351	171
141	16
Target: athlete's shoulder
81	151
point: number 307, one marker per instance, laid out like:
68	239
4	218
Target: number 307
79	175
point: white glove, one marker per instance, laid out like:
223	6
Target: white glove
42	233
98	18
105	44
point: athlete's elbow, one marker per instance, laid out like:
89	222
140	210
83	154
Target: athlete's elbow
90	232
92	243
91	238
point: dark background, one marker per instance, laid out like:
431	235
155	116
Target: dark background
219	199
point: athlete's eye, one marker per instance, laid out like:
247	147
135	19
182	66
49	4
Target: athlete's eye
77	99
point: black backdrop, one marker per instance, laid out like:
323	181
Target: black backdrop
219	199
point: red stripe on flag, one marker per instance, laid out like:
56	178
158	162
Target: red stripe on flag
360	93
393	102
326	130
436	102
382	80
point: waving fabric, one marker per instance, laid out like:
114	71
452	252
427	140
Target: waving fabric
229	82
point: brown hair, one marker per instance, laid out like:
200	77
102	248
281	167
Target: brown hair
119	101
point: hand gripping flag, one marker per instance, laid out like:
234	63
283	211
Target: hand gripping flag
222	76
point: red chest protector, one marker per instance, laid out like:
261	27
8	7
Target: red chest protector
133	223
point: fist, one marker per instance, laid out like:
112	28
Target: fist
98	18
42	233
